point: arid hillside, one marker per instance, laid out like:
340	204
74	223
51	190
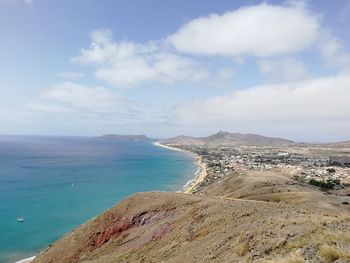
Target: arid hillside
244	217
226	138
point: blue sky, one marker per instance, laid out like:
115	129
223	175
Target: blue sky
163	68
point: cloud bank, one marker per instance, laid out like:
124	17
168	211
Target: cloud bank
69	98
68	101
261	30
125	63
323	99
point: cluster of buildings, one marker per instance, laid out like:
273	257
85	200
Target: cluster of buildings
301	162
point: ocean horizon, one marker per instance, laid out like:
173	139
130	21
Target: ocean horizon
57	183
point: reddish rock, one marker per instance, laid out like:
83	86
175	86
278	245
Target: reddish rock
113	230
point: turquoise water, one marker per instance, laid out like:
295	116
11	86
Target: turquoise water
37	174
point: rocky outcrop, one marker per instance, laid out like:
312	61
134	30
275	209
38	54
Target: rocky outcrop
114	230
110	231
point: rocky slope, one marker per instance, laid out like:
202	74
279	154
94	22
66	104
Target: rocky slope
226	138
244	217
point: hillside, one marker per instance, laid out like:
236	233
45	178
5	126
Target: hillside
340	144
248	216
226	138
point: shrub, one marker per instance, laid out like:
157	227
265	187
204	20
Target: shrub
328	184
241	249
331	170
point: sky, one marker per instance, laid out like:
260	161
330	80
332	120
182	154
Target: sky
165	68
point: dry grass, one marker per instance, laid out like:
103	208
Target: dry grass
290	258
346	218
318	237
332	253
216	229
330	244
242	249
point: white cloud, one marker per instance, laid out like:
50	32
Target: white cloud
77	102
260	30
271	34
28	2
126	63
281	70
324	100
70	97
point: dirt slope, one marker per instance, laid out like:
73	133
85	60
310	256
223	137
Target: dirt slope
256	217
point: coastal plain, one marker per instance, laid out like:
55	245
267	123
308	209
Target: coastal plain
251	211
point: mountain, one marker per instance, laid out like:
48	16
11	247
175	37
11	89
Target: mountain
116	137
184	140
226	138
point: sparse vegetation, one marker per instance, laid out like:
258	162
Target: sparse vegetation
242	249
328	184
291	258
331	170
331	253
299	179
329	244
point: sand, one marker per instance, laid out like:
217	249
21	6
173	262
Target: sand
26	260
201	173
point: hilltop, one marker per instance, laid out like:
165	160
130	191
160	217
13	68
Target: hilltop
259	216
226	138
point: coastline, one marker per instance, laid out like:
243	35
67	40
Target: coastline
26	260
200	174
190	185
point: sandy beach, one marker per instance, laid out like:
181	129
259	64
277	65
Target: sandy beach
159	144
26	260
199	175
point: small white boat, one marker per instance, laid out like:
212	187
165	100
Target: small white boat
20	219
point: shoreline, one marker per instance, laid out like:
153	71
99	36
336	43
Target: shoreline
190	185
26	260
200	174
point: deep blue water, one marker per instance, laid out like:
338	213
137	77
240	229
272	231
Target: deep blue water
37	173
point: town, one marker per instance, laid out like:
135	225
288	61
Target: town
326	167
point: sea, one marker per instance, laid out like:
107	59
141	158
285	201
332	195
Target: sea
57	183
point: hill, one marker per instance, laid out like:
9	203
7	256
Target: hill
226	138
251	216
345	144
